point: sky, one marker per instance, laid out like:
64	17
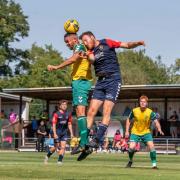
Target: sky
157	22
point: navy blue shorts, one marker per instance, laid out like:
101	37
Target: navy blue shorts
61	137
107	88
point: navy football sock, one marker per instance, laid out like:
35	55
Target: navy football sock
101	131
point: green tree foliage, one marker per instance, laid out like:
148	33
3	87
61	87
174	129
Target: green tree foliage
137	68
13	27
33	72
174	72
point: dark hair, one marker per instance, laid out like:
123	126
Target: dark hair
88	33
70	34
63	101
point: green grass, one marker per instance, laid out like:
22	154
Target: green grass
97	166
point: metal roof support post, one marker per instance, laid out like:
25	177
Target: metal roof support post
165	109
0	104
47	107
20	122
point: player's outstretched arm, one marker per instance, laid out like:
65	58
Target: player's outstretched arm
158	126
130	45
67	62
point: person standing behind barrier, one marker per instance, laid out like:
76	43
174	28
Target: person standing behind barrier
41	132
34	126
173	124
61	122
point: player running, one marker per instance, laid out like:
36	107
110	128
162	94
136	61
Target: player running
81	85
108	84
62	121
140	132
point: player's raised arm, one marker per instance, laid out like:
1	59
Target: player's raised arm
67	62
130	45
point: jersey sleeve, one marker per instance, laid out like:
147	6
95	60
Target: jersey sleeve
70	119
54	120
153	116
131	115
113	44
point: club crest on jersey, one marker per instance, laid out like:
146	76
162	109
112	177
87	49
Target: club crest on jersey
101	47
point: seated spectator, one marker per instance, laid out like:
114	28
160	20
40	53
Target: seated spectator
117	138
122	145
74	142
173	124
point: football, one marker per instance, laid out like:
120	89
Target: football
71	26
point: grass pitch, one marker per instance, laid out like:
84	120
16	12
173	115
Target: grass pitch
30	166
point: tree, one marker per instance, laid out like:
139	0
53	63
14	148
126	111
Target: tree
137	68
13	26
174	72
32	72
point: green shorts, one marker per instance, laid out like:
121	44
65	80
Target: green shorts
80	91
143	138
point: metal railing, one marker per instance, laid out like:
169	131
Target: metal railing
168	145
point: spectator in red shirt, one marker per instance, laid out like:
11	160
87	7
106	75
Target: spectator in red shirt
116	139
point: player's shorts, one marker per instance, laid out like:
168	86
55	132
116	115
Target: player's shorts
80	91
143	138
61	137
107	88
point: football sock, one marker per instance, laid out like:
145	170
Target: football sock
153	157
49	153
101	131
83	131
60	158
131	154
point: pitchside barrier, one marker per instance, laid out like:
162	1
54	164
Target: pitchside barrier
8	141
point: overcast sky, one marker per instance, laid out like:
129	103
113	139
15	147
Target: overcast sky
157	22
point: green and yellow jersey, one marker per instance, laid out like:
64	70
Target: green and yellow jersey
141	120
81	69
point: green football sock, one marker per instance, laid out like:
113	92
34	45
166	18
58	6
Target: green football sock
83	131
153	157
131	154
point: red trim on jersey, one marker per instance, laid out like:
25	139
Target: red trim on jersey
70	119
55	117
113	44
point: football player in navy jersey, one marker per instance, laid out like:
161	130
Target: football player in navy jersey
107	69
61	122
